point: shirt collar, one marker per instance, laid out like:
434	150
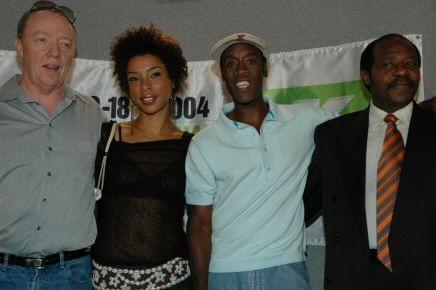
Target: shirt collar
376	115
11	90
274	114
73	95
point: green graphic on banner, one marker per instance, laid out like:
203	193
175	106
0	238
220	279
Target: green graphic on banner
193	128
325	93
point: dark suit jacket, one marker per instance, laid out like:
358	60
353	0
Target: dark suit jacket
336	182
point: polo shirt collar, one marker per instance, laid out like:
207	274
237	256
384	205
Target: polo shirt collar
11	90
230	126
73	95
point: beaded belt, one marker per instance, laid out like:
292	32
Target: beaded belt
161	277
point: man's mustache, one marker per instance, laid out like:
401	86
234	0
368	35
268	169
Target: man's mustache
401	81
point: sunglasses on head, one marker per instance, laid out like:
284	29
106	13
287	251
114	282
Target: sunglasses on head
48	5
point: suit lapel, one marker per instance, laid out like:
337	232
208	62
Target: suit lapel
353	163
419	157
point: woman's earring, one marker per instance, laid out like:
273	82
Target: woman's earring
132	115
172	102
132	110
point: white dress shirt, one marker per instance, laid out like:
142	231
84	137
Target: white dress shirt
376	134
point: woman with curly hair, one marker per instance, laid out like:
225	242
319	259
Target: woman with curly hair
141	243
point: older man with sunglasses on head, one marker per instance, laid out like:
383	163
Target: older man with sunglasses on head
49	135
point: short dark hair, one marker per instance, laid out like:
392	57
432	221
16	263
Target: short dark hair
142	41
367	57
22	23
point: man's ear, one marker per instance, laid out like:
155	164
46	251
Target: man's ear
19	47
265	71
365	77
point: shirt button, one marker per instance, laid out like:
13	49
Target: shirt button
50	148
268	168
44	200
48	173
38	228
264	149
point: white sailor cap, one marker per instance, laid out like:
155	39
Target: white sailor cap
242	37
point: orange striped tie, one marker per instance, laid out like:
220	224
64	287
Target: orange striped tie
388	181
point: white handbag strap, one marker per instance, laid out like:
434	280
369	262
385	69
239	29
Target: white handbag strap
100	181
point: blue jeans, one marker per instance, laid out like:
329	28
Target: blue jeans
292	276
67	275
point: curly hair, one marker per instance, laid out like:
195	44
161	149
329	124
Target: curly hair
142	41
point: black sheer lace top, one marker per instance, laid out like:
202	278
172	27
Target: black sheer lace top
140	214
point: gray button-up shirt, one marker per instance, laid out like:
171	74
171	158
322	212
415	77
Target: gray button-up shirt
46	172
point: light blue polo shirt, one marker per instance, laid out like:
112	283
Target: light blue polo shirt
255	182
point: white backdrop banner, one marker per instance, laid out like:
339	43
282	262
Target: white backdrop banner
325	77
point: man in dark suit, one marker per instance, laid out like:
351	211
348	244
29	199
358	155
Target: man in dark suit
429	104
373	175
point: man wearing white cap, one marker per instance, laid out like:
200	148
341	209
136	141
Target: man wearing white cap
245	179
